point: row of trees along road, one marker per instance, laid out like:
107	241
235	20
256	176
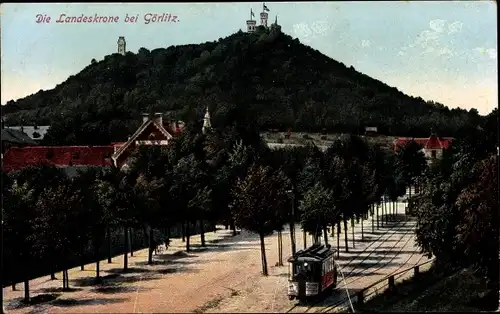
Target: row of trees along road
227	175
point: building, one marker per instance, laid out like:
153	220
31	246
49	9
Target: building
251	23
69	157
154	130
432	147
35	132
264	18
122	45
371	131
14	138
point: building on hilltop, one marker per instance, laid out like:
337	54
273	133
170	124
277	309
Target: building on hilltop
264	17
251	24
122	45
432	147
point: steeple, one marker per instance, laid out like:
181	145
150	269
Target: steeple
206	122
275	27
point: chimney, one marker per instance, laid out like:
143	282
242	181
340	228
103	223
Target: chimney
173	125
145	117
158	117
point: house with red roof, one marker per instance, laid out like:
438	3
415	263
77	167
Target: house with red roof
154	130
432	147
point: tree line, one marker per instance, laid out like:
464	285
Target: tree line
230	176
457	213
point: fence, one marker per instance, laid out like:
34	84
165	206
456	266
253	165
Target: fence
361	296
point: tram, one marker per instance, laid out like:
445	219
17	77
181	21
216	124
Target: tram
311	272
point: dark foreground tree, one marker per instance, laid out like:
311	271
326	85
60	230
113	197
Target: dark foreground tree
260	201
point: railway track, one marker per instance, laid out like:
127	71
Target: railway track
306	307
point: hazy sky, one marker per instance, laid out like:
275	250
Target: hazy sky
441	51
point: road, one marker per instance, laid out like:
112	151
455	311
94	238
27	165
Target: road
224	277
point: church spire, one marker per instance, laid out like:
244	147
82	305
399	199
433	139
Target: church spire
206	122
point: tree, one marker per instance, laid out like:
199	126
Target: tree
189	191
411	163
307	178
318	211
260	202
148	193
103	215
59	224
479	224
19	232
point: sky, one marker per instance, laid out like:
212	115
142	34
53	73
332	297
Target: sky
441	51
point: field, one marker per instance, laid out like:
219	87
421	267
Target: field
300	138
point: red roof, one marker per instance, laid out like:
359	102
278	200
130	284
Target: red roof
433	142
61	156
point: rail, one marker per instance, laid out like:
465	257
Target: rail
359	297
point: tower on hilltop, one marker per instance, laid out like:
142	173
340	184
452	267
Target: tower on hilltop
122	45
251	23
263	15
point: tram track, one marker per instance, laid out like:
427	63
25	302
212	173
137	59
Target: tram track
397	224
384	283
345	298
383	265
305	308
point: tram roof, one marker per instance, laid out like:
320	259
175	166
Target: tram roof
314	253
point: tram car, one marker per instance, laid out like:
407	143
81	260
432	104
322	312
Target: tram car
311	272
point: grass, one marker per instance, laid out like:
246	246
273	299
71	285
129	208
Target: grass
433	291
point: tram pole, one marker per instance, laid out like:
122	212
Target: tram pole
292	221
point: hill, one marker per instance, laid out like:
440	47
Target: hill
266	79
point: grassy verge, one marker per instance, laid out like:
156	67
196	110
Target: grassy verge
435	291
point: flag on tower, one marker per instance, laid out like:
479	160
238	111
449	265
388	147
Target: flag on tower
265	8
251	13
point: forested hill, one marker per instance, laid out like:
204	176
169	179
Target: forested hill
267	77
